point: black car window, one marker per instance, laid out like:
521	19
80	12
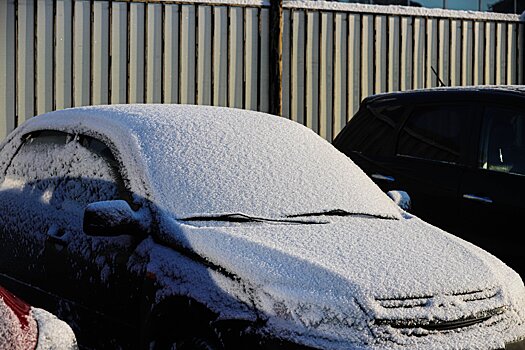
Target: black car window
54	176
433	133
372	131
503	140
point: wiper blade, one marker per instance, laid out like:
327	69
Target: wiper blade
340	212
238	217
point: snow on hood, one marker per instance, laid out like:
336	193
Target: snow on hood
211	160
343	269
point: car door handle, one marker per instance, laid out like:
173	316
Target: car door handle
477	198
383	177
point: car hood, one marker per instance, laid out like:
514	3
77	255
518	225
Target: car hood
346	274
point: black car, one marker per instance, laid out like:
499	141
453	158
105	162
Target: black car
458	152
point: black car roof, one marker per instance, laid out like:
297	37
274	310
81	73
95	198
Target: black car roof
449	93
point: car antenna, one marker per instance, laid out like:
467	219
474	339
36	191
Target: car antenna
437	76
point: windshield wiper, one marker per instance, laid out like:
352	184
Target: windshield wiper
238	217
340	212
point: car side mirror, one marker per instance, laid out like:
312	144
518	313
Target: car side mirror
114	218
401	198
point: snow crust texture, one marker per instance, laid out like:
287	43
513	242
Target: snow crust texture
14	335
53	333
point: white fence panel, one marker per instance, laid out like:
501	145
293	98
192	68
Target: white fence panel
204	56
298	66
63	54
154	54
7	67
81	53
100	53
25	58
171	54
44	56
119	52
312	70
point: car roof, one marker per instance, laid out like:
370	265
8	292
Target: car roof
201	160
491	92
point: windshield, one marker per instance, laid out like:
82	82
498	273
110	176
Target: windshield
214	161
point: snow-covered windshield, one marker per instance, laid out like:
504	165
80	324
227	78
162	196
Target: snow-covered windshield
210	161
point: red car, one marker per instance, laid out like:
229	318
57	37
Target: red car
28	328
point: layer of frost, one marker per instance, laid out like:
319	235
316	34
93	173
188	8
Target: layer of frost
399	10
210	160
53	333
14	335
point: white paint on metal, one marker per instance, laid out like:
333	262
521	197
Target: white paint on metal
455	53
220	57
444	51
367	55
419	53
251	59
119	52
501	53
467	59
25	58
171	53
312	70
63	54
154	54
136	52
204	56
187	54
490	53
326	92
354	63
298	66
285	65
512	53
394	37
7	67
100	50
479	52
340	72
381	54
235	55
264	88
81	53
432	53
44	56
406	53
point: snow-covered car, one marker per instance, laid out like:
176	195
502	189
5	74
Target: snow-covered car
192	227
23	327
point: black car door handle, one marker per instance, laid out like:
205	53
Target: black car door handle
383	177
477	198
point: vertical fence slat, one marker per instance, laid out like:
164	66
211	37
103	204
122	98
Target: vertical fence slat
81	54
406	53
490	53
511	53
119	52
367	55
204	56
340	72
394	36
100	49
251	58
354	63
285	62
444	51
187	54
154	54
171	53
44	56
312	71
235	54
521	49
298	66
25	59
63	54
419	53
136	52
380	53
326	76
432	53
7	67
455	53
479	52
220	57
264	85
501	53
467	53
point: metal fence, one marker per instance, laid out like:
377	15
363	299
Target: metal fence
56	54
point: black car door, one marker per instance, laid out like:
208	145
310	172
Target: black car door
85	277
430	159
493	191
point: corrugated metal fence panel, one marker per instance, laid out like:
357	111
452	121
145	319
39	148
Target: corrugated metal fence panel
26	51
81	52
7	67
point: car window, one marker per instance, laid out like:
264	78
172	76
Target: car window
55	175
433	133
503	140
372	131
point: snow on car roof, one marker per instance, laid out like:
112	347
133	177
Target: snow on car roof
203	160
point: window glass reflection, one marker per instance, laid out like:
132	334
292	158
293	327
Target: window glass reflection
430	3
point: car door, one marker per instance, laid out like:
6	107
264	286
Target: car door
493	191
430	159
87	276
